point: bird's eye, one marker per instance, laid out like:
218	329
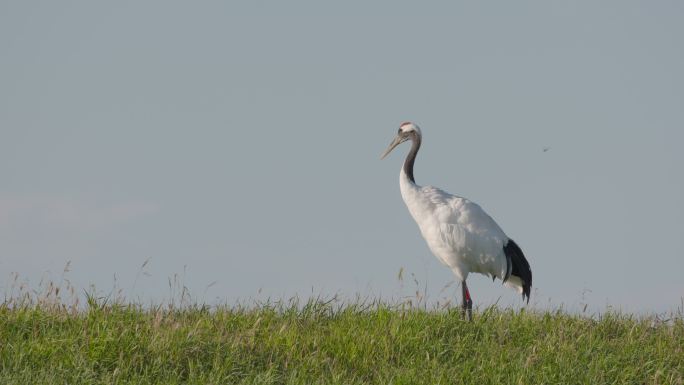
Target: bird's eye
399	131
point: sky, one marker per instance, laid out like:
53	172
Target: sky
235	146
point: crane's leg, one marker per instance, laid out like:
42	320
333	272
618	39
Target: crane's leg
467	304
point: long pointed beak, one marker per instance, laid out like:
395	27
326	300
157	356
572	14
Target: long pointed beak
397	141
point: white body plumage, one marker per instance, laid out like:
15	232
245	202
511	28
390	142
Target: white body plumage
458	232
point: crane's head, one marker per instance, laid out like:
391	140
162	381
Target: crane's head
407	131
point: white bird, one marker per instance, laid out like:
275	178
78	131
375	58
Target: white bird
459	232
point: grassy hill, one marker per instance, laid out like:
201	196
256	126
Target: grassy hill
329	343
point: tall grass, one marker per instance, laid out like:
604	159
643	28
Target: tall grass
51	336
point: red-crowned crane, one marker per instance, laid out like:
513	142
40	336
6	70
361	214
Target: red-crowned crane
459	232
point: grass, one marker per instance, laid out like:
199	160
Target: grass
330	343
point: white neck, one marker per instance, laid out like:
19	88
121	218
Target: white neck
410	193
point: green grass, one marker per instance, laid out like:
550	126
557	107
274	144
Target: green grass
321	343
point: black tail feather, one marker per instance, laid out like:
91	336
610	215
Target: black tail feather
519	267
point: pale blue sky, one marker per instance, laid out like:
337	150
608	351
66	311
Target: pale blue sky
241	139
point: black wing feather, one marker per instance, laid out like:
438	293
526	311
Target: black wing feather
519	266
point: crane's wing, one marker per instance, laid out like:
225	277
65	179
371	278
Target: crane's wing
466	234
